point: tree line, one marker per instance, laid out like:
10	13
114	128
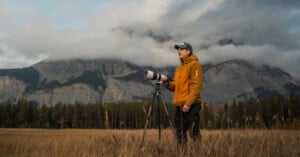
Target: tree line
273	112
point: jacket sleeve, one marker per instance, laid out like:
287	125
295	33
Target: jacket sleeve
170	86
196	79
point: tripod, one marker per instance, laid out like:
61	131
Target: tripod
157	100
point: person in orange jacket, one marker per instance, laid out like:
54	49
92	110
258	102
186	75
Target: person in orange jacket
186	85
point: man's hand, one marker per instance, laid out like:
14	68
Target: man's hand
185	108
165	83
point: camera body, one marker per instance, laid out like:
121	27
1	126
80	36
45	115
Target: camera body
151	75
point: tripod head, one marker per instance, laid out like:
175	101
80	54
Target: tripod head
157	88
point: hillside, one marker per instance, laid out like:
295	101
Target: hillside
109	80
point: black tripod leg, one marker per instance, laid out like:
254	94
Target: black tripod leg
158	118
148	119
168	115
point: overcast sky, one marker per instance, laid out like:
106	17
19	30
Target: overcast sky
145	31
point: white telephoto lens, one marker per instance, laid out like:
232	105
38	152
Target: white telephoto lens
163	77
149	75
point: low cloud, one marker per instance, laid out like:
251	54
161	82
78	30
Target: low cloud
144	32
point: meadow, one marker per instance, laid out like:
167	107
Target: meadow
123	143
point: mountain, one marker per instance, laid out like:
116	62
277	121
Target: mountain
75	81
240	80
109	80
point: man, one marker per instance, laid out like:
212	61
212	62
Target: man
186	86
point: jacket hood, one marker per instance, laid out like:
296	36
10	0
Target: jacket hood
188	59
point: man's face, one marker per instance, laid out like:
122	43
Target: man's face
183	53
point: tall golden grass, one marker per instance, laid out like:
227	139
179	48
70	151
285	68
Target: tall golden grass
102	143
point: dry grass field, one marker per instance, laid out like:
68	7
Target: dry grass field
90	143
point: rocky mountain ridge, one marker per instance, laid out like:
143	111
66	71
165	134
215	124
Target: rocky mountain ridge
111	80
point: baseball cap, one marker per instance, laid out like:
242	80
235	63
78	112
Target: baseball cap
184	45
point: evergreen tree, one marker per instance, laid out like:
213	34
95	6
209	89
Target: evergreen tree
56	115
100	116
63	123
90	116
24	113
2	116
43	117
77	119
273	112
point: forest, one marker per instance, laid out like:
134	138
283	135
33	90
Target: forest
270	113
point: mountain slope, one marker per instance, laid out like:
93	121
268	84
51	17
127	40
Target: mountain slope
239	80
94	80
108	80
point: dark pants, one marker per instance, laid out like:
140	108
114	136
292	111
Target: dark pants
185	121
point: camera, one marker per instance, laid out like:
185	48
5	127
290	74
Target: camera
151	75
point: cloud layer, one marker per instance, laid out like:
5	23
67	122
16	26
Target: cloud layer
144	32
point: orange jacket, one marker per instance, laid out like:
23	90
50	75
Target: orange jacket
187	82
